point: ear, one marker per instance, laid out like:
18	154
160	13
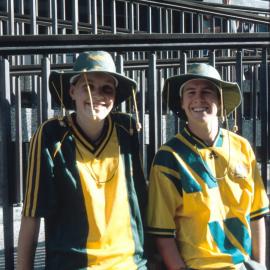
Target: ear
180	102
72	90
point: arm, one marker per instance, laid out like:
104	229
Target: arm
258	233
27	242
170	253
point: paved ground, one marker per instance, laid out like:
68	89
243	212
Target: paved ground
39	259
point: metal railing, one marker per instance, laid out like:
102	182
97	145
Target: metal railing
161	39
150	73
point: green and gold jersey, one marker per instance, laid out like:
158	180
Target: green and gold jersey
205	197
89	194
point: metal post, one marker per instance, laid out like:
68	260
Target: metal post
153	117
18	143
113	17
131	18
120	69
94	17
142	120
149	20
239	79
54	17
46	97
33	18
6	161
264	97
101	13
75	16
11	17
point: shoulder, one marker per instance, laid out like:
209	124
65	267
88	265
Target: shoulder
237	141
54	127
124	121
235	137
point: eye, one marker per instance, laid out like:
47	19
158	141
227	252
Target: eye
108	89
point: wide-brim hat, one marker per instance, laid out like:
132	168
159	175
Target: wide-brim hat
230	91
89	62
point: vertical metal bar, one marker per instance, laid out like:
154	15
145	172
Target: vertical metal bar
254	102
113	17
33	25
11	17
142	119
6	161
102	12
126	14
264	97
182	22
120	69
131	17
54	17
183	69
137	26
75	16
89	13
94	17
212	58
149	20
160	25
46	97
63	9
18	143
239	79
153	116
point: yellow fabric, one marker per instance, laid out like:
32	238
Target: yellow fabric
107	207
188	203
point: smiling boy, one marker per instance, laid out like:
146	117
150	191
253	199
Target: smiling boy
84	175
206	198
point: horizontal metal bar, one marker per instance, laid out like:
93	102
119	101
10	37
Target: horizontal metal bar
48	44
193	7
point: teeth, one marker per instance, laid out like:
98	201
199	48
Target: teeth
199	109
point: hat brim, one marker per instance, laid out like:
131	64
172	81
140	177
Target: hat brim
231	93
59	85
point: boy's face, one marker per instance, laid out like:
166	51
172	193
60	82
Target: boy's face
200	100
102	88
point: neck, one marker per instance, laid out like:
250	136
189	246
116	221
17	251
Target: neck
207	132
91	128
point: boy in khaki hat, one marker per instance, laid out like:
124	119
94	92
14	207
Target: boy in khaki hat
84	175
207	200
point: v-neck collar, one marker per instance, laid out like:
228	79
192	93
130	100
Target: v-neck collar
194	140
94	148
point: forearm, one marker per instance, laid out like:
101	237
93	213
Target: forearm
258	240
170	253
27	243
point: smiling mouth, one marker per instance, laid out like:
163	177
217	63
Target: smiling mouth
201	109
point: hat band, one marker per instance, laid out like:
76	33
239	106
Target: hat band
74	78
184	84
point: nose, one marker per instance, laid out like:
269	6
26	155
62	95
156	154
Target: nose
199	95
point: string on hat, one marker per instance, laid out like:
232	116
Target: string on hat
235	126
221	105
138	124
90	96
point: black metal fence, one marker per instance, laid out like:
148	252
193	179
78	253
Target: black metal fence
161	39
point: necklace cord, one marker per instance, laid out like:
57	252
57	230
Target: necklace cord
92	172
228	163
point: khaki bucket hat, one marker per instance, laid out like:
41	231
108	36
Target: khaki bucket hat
230	90
89	62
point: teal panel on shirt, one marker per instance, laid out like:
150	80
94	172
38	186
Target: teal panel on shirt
194	161
224	244
240	232
189	183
